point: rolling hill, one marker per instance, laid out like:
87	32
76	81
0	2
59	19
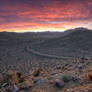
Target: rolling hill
77	43
22	51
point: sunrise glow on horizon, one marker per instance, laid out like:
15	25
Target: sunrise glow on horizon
44	15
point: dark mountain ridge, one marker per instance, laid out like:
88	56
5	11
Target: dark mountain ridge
78	42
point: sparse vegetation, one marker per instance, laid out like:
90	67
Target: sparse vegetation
45	70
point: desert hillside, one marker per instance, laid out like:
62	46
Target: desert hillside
46	61
76	44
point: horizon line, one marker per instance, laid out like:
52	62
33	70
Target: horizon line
38	31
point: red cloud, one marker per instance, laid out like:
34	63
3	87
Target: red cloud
53	15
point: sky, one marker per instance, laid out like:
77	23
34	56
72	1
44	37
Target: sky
44	15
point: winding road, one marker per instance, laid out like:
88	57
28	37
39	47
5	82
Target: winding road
28	49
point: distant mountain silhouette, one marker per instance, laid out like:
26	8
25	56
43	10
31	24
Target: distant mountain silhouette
77	42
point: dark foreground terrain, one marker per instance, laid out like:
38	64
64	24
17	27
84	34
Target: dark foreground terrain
46	62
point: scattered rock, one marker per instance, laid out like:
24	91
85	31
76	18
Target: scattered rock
85	58
74	78
1	77
39	82
58	67
6	79
17	77
89	76
59	83
5	85
41	78
16	89
53	73
37	72
69	90
26	84
80	66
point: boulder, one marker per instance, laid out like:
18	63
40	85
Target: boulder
89	76
59	83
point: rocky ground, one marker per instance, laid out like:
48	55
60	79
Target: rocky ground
24	67
75	77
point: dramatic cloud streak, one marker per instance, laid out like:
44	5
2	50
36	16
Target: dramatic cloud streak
44	15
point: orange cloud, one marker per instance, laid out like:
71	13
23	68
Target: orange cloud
26	15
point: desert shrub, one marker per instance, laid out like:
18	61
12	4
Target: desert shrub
66	78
